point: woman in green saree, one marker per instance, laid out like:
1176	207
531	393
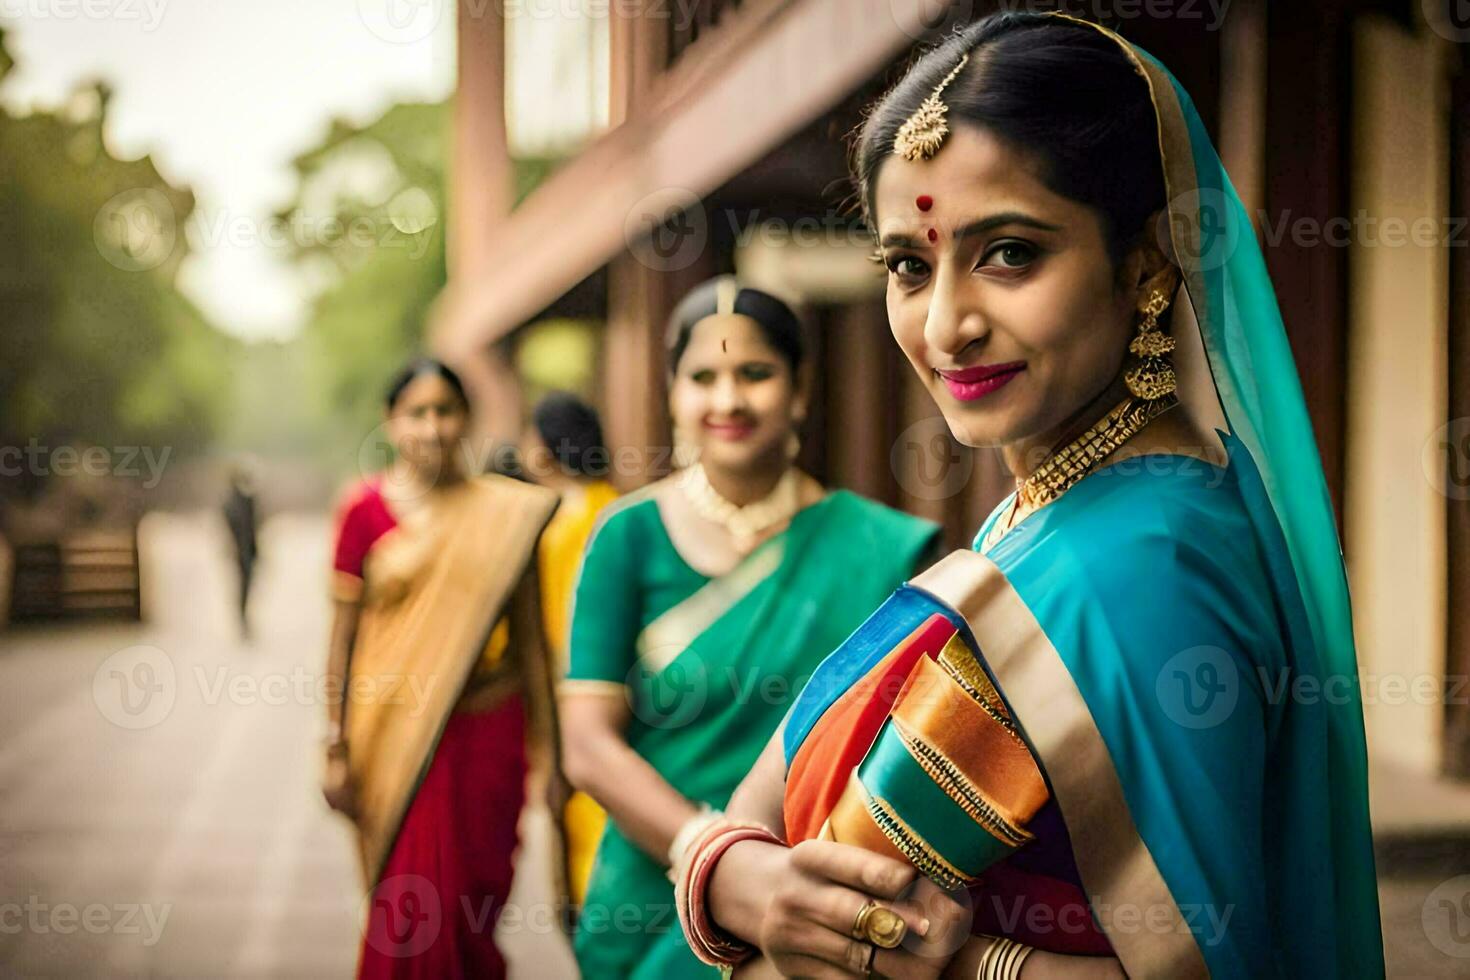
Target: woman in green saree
703	603
1122	735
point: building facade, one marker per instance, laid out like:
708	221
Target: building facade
1345	127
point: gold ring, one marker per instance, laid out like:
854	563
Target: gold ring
878	925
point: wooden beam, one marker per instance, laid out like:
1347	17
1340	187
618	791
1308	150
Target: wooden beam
761	75
635	367
1457	654
481	182
1308	99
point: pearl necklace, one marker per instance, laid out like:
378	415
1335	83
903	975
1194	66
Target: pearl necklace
745	524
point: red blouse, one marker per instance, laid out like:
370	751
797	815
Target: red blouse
362	518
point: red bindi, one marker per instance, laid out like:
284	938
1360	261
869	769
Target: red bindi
924	202
933	235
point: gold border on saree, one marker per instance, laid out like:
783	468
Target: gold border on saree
957	786
962	666
1112	858
920	853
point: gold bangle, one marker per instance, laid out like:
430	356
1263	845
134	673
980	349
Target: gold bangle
1002	959
1022	951
982	971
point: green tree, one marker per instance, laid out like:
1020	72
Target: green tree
366	226
97	346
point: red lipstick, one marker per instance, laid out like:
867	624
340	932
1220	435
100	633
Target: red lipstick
733	430
968	384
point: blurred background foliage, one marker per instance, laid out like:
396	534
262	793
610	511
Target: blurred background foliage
368	235
97	347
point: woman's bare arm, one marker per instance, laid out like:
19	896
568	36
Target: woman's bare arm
760	795
528	645
600	762
336	783
345	616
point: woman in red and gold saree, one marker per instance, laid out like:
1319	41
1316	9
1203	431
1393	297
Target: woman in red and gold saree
437	647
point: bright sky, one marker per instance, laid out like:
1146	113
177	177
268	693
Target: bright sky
223	93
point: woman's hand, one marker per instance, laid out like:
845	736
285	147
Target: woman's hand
756	968
337	781
799	905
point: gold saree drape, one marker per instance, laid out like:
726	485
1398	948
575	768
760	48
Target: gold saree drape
435	588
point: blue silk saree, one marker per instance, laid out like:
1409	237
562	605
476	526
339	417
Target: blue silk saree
1138	712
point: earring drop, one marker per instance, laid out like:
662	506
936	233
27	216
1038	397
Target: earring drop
1153	376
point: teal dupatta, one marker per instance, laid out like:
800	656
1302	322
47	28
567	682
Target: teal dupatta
1251	364
1174	643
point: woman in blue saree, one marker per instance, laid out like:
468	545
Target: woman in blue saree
1122	735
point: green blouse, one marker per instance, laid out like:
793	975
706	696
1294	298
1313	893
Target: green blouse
709	666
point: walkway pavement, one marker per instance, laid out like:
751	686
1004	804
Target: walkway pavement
159	811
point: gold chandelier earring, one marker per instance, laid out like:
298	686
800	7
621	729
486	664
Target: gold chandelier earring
1152	377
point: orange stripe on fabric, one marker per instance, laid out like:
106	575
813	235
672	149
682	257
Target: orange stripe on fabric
838	742
944	715
851	823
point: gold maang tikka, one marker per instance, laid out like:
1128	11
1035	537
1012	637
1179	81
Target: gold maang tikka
1153	376
923	133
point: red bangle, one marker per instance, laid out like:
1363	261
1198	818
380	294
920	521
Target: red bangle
710	943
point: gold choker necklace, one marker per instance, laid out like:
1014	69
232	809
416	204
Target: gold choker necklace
1064	468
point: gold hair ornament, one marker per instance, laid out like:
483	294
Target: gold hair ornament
923	133
727	290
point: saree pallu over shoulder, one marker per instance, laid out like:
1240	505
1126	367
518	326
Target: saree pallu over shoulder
1252	373
838	760
435	587
1111	856
1133	632
927	752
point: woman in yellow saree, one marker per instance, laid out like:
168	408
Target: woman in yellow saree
436	643
1102	740
564	450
